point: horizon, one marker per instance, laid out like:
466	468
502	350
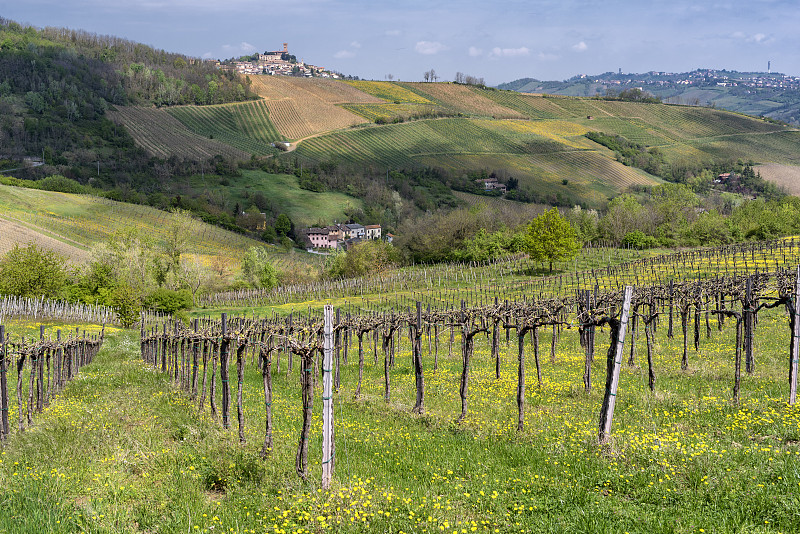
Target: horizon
542	39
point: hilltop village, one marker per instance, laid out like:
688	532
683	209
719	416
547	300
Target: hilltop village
278	62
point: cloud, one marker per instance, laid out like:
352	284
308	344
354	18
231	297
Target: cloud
429	48
509	52
392	33
545	56
757	38
207	55
245	47
580	47
344	54
355	44
475	52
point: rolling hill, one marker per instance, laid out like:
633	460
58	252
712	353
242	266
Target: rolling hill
460	129
71	224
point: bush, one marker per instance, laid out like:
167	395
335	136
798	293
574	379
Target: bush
168	301
639	240
32	272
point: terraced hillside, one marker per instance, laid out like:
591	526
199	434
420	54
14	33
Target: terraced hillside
300	107
162	135
538	139
71	224
245	126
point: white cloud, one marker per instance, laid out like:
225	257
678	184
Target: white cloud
392	33
244	47
545	56
757	38
355	44
428	48
509	52
207	55
344	54
475	52
580	47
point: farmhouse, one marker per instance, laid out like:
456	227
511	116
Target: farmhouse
492	184
340	235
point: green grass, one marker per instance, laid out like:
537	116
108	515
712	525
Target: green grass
123	451
304	207
89	220
245	126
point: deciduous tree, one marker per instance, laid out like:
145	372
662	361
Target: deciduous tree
550	237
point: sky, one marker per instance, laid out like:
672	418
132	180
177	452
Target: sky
499	40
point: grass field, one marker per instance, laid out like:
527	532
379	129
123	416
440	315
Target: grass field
245	126
121	450
304	207
162	135
84	221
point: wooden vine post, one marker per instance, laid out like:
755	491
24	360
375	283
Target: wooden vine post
615	353
3	386
795	352
266	373
328	446
419	405
224	352
749	319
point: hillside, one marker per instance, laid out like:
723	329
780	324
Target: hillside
769	94
71	224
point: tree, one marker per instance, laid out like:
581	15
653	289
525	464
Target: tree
32	272
257	268
283	225
550	237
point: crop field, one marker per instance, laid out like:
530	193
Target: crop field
389	91
122	448
331	91
12	233
463	99
245	126
398	144
531	106
89	220
162	135
389	112
785	176
298	111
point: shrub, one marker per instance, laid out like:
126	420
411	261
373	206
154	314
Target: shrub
168	301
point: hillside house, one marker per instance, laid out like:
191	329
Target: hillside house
492	184
354	230
373	231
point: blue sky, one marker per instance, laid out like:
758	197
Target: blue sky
499	40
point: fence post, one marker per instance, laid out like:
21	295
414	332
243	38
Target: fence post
328	446
3	385
223	370
615	361
795	345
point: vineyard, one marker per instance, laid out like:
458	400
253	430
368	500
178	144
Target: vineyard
162	135
469	397
13	233
462	99
299	109
245	126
